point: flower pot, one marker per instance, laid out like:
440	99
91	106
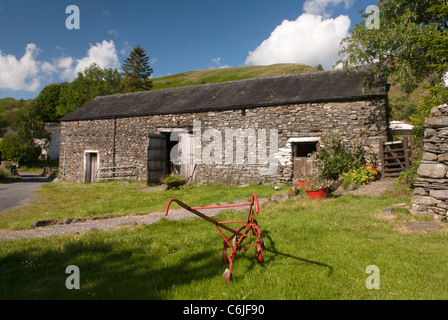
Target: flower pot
318	194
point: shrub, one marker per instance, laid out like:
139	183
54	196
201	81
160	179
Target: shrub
361	176
336	159
407	178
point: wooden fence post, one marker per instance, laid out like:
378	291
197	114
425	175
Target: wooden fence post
383	168
406	153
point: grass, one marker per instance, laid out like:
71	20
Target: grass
119	198
314	250
228	74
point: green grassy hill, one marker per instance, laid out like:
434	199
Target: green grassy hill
7	104
228	74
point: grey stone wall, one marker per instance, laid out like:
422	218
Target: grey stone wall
431	193
360	122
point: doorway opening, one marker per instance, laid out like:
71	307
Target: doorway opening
303	160
170	152
91	160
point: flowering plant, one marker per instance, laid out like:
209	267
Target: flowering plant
316	183
362	176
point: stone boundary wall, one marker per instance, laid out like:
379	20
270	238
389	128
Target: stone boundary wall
359	122
431	193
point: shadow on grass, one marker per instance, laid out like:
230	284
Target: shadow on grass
271	248
107	271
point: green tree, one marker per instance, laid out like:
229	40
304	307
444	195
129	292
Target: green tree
48	101
89	84
136	71
28	128
410	48
403	47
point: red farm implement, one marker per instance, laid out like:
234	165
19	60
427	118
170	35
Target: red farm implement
234	242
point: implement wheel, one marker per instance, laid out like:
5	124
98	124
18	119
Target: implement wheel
224	253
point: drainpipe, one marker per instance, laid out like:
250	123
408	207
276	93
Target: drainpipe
63	164
113	146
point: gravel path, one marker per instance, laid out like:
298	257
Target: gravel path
106	224
375	188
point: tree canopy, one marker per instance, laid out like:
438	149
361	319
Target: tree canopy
410	45
89	84
410	48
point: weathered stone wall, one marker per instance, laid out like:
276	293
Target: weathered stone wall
360	122
431	192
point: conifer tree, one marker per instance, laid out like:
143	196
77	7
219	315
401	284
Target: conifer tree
136	71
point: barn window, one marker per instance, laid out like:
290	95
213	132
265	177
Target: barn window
304	149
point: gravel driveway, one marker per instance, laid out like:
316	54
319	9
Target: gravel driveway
107	224
19	193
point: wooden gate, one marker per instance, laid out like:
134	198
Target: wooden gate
156	158
394	157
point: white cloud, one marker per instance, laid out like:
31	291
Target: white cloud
320	7
103	54
113	32
27	73
217	61
20	74
309	40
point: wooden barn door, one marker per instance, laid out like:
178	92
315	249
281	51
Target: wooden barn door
91	166
156	158
303	160
186	148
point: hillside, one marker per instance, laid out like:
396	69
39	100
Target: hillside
228	74
8	104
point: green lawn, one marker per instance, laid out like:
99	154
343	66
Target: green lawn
314	250
73	200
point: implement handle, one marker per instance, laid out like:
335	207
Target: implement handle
216	223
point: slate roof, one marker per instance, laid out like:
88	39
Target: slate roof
257	92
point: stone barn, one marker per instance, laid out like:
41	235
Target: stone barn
262	129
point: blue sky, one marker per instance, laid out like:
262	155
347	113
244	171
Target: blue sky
36	48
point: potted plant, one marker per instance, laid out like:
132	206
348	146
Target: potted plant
301	182
317	187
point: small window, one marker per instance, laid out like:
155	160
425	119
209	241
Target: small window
304	149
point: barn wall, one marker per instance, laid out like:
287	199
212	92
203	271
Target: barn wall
362	122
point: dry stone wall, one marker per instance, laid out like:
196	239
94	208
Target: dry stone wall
431	192
359	122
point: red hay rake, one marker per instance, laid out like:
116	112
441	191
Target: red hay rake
234	242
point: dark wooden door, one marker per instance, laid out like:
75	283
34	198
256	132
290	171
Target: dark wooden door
156	158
